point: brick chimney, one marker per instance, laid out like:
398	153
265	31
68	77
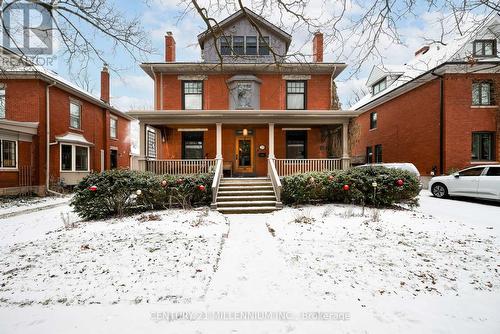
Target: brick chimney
422	50
318	47
105	83
169	47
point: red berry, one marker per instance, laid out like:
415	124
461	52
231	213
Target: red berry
179	181
93	188
399	182
201	187
346	187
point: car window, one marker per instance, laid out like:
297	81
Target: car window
493	171
472	172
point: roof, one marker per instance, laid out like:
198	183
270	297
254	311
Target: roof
420	69
31	69
75	138
204	68
259	19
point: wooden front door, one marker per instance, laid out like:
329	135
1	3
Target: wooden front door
244	155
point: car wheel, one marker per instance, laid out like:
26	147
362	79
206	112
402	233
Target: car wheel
439	190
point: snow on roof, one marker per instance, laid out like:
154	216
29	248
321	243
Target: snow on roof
438	54
23	65
74	138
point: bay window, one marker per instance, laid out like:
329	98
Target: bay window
74	158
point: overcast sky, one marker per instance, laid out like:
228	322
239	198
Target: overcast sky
131	88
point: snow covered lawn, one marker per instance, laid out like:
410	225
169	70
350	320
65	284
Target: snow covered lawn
165	256
431	270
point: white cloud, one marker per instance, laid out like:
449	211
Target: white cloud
126	103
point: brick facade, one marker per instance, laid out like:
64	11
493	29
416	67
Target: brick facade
408	126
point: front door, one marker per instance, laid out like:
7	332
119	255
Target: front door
244	155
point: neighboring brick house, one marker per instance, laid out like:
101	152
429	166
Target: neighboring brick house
254	112
439	111
85	133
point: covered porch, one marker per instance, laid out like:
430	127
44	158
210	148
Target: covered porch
247	143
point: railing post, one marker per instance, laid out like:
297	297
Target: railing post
216	181
345	146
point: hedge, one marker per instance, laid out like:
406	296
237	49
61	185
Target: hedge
121	192
378	186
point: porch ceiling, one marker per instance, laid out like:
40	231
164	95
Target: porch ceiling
244	116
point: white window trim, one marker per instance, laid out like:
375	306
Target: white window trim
10	169
116	128
150	129
73	159
4	88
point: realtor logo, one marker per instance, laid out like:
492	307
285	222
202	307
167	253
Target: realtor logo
27	28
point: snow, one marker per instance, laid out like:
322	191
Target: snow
434	269
11	205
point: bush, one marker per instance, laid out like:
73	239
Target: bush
355	185
120	192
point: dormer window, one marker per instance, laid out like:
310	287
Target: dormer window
244	45
379	86
484	48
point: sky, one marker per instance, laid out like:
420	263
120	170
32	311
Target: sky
132	89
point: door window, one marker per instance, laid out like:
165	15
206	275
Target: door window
244	153
493	171
472	172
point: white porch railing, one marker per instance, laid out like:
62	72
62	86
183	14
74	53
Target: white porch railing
216	181
179	167
287	167
275	179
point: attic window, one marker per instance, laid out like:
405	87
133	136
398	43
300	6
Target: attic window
379	86
484	48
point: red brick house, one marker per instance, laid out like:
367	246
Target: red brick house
439	111
254	114
83	134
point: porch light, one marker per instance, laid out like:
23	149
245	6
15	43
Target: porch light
245	132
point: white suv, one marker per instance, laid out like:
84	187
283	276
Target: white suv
480	181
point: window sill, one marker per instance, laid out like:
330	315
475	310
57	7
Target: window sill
7	169
373	129
483	162
115	139
75	129
75	171
484	107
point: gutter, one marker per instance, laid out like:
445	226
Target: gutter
47	145
441	122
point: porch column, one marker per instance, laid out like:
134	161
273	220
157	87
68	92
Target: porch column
271	141
345	146
218	154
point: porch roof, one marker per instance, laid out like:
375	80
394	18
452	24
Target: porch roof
157	117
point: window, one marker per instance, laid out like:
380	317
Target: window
244	91
2	101
225	45
482	93
369	155
379	86
239	45
114	159
75	115
493	171
482	146
113	125
378	153
192	95
264	46
472	171
151	143
484	48
373	120
192	145
8	154
296	95
296	144
251	46
74	158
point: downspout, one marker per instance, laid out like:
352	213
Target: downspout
441	122
47	148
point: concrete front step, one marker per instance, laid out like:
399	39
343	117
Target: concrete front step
236	204
244	184
247	209
246	187
243	192
246	198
